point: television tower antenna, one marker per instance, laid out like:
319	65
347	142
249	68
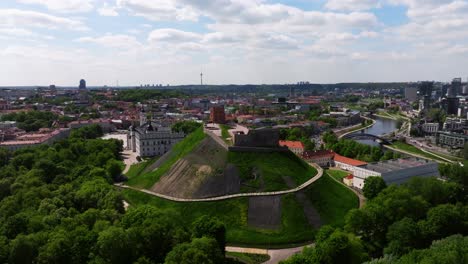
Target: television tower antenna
201	78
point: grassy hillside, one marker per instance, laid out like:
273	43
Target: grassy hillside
179	150
233	213
332	199
137	169
270	169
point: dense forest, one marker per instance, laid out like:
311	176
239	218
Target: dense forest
31	120
422	221
58	205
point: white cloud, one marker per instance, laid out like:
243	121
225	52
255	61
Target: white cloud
67	6
172	35
22	33
107	10
157	10
352	5
20	18
113	41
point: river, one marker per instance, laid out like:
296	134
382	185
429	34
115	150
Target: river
381	126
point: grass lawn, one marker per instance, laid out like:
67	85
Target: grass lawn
178	151
332	199
248	258
294	228
338	174
272	167
413	149
225	134
137	169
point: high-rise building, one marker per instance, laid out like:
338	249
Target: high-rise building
411	93
82	84
465	88
425	92
452	100
456	87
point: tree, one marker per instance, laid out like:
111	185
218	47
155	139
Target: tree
453	249
200	250
210	227
436	115
114	169
444	220
465	151
373	186
113	246
186	126
403	236
22	250
332	247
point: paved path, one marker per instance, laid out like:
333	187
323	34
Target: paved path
420	156
276	255
129	158
231	196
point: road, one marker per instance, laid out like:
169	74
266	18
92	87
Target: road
230	196
276	255
420	156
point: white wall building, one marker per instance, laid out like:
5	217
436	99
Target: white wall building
150	139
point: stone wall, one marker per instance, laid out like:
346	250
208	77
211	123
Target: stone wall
261	138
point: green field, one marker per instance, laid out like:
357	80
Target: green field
331	199
338	174
248	258
294	228
225	134
410	148
272	167
179	150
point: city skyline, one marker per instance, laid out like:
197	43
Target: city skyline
234	41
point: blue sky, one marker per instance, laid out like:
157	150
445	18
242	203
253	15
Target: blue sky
233	41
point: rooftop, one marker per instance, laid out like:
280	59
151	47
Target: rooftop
318	153
291	144
398	164
349	161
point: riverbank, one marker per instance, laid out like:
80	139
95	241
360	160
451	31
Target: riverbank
353	129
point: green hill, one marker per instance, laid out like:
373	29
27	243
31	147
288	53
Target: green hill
146	180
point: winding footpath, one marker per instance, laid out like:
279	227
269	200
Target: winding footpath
230	196
276	255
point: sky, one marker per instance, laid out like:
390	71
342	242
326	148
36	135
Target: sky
133	42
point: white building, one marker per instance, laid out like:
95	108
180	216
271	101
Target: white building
430	128
151	139
394	171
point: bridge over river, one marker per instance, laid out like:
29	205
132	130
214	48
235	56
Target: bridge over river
374	135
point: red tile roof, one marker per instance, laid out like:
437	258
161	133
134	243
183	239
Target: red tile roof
349	177
291	144
317	153
349	161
